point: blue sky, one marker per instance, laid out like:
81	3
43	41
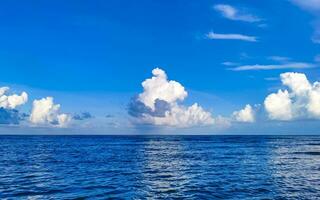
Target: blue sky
92	56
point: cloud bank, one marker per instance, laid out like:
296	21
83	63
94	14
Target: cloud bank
159	104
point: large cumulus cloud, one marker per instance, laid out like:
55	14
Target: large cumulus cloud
160	104
300	100
45	112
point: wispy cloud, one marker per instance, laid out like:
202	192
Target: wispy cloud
227	63
217	36
294	65
233	13
279	58
313	7
271	78
309	5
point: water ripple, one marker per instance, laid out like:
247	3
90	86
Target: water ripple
159	167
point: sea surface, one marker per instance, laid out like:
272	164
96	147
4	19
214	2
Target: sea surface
160	167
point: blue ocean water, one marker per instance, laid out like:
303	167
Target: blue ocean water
160	167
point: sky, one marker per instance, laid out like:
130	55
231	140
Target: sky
160	67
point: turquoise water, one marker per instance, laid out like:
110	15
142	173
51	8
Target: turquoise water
159	167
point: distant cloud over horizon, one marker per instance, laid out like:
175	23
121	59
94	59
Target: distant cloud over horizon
159	104
45	112
82	116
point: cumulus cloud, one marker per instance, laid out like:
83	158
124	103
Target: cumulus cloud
11	101
233	13
45	112
247	114
279	106
218	36
159	104
300	100
8	104
158	87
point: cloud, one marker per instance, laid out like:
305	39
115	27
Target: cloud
216	36
11	101
9	116
82	116
312	6
227	63
233	13
279	106
300	100
279	58
292	65
158	104
45	112
271	78
309	5
247	114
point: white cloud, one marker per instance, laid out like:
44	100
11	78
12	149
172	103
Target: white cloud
302	100
233	13
297	82
11	101
158	104
279	106
180	116
158	87
247	114
45	112
216	36
293	65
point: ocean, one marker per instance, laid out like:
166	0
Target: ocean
160	167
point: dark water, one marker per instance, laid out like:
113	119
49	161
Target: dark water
160	167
